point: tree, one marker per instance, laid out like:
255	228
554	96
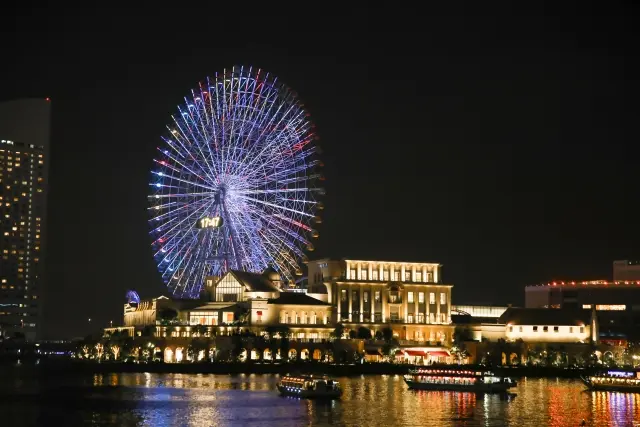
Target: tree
462	334
364	333
459	349
200	330
338	332
167	315
195	347
280	330
148	331
387	334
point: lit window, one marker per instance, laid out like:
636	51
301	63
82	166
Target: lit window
582	329
410	297
443	298
432	298
420	297
556	329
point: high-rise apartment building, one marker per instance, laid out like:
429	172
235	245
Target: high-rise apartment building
24	157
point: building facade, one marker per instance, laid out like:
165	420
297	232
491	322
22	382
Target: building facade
24	159
624	270
616	302
407	297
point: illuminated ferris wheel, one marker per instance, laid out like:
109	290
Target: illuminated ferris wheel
236	183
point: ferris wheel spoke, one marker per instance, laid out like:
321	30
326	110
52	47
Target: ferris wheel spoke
178	211
192	216
173	159
274	205
195	139
178	136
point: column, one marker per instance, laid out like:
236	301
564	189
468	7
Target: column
449	305
424	273
436	273
359	272
427	319
380	273
402	273
350	296
369	271
383	300
413	273
360	294
338	303
405	308
438	307
372	302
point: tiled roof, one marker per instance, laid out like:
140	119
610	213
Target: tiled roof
546	316
295	298
254	282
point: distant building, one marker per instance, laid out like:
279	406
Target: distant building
24	160
617	303
237	303
539	325
484	312
625	270
408	297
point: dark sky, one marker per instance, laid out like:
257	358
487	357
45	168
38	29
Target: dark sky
499	143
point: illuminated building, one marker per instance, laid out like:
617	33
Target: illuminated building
24	155
239	302
407	297
617	303
536	325
626	270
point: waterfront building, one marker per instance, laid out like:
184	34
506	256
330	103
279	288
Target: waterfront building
24	164
616	302
238	304
410	298
626	270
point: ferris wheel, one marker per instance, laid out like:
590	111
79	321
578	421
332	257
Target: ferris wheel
236	183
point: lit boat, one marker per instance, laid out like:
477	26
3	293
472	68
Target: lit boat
614	380
310	386
458	379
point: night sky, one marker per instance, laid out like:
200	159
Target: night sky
499	143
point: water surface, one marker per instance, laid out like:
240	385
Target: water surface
251	400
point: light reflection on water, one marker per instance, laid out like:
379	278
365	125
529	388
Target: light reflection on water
251	400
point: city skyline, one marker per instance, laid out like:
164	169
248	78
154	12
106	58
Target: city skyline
498	150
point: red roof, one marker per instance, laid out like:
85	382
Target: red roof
439	354
414	353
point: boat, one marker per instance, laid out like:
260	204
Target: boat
614	380
309	387
458	379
